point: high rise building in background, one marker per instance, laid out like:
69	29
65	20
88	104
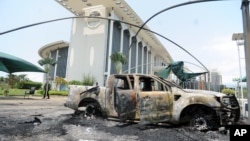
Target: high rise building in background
93	40
216	80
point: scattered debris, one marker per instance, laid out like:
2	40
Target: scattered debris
59	123
38	115
36	121
223	130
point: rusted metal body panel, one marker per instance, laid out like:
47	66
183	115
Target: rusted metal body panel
155	108
151	100
73	98
126	104
187	99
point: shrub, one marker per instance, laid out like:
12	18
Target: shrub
40	91
75	82
228	91
88	80
3	86
29	84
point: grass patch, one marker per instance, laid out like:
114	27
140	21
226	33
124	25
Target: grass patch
21	92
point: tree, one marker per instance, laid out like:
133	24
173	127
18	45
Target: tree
2	79
119	59
11	80
16	80
59	81
47	63
22	79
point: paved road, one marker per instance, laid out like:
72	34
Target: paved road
58	123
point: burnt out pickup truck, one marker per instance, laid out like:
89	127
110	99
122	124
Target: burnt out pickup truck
150	99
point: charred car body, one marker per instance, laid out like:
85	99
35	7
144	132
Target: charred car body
150	100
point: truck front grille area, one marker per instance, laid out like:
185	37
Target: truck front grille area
230	102
231	112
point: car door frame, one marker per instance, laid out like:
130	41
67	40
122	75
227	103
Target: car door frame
156	105
125	99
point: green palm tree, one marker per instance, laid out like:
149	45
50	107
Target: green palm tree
47	63
119	59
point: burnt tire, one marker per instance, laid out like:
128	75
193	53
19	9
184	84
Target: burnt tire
204	122
199	122
93	109
78	112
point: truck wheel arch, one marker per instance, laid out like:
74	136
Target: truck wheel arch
191	111
91	103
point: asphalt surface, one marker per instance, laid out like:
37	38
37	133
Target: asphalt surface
37	119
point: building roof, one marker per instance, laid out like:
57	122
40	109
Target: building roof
125	12
45	50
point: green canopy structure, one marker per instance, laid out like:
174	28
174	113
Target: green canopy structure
178	70
11	64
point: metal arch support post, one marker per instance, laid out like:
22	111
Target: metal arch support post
246	28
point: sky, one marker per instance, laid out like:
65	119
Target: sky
203	29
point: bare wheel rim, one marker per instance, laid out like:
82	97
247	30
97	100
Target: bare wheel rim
199	123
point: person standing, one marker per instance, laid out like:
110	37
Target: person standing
46	89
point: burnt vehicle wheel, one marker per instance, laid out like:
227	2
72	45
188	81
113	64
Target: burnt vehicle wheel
93	109
78	112
200	118
199	122
204	122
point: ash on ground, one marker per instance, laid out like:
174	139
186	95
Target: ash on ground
47	119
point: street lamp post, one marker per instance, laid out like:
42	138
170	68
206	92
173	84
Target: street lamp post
239	37
246	28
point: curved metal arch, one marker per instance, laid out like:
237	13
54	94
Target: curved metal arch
172	7
35	24
194	64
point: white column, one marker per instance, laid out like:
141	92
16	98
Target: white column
121	43
147	62
110	44
136	57
129	64
142	59
57	55
142	50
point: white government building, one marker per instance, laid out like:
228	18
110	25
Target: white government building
93	40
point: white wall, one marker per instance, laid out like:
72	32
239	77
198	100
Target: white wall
87	49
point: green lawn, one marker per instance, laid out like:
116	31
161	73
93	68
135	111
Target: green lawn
21	92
